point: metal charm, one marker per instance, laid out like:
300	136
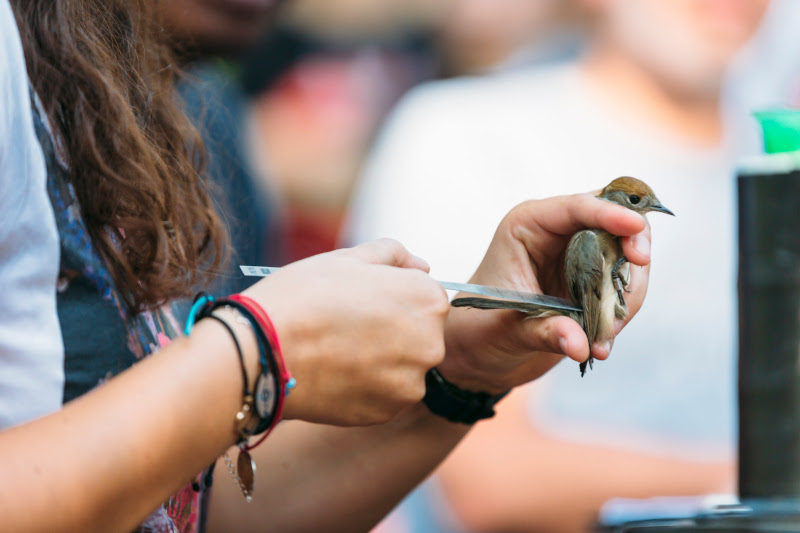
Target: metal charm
246	471
265	395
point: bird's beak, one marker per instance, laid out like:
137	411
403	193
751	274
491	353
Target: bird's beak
660	208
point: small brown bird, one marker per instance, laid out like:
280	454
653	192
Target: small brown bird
595	269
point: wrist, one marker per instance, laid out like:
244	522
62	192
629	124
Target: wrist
288	322
263	395
471	363
245	337
211	337
468	379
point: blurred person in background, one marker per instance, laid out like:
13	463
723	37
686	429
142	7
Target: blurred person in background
323	79
644	99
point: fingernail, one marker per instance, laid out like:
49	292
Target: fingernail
601	349
423	265
641	244
562	343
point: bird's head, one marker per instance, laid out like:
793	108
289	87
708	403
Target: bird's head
633	194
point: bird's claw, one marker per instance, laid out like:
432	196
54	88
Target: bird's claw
620	283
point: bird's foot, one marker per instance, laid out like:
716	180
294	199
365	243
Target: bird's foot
620	283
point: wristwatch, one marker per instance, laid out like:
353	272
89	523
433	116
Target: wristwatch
455	404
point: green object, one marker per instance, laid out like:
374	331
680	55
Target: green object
781	128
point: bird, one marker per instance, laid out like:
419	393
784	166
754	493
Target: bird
596	270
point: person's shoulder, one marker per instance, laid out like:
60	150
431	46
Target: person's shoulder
495	95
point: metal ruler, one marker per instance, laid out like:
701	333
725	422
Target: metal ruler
484	290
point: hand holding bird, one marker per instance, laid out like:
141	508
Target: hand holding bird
595	274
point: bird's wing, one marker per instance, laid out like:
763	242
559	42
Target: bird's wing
532	309
583	269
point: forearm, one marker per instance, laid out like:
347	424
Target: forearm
346	479
512	477
109	458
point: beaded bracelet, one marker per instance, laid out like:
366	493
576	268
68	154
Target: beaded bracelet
265	402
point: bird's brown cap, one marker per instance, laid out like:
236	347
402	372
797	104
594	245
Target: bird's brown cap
629	185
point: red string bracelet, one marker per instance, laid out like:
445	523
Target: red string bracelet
285	380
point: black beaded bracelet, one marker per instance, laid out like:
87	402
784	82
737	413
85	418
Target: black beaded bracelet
455	404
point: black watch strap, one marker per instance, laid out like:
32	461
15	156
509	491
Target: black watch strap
455	404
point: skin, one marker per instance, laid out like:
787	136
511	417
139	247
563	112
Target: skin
185	396
484	353
527	253
661	64
590	261
510	476
209	26
534	482
530	481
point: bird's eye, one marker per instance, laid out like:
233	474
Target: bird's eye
634	199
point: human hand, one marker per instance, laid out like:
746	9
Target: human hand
492	351
359	329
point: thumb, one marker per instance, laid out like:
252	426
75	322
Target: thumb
637	247
389	252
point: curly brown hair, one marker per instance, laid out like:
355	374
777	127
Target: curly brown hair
107	81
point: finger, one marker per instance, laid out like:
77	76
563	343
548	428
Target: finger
601	349
637	247
557	335
564	215
389	252
592	212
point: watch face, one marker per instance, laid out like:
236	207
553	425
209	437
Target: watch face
265	395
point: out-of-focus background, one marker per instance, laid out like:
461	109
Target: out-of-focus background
330	122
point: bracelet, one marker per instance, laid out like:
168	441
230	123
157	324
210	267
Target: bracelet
244	474
456	404
246	392
264	404
267	385
272	336
203	307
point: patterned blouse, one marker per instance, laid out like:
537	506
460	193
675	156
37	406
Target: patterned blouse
100	338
